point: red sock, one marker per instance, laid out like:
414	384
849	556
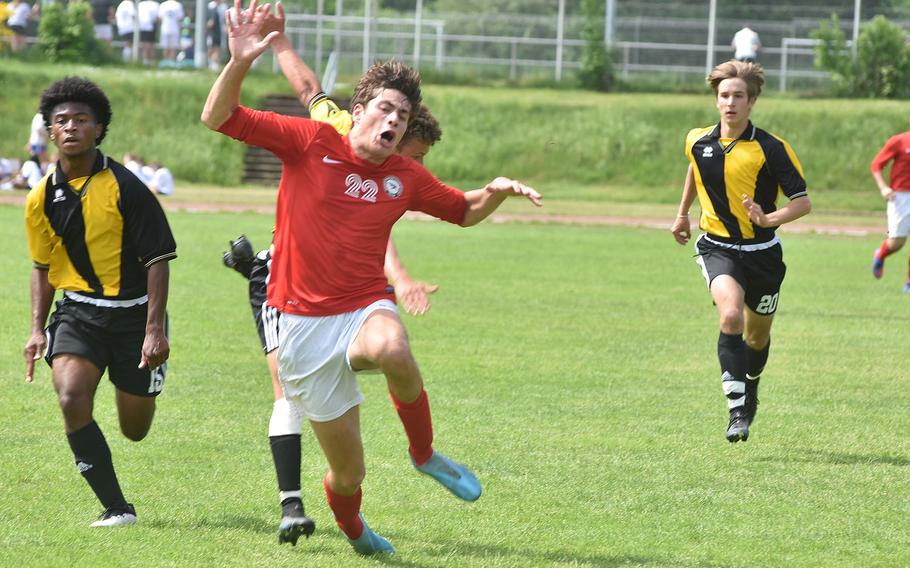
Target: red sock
883	251
415	416
346	510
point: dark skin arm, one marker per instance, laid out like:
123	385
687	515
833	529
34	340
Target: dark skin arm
42	296
155	348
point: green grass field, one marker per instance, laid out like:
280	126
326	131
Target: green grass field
572	367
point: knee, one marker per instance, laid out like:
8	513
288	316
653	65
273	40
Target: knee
135	433
74	402
393	349
347	481
731	320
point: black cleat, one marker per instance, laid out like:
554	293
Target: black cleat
751	399
294	523
240	257
738	428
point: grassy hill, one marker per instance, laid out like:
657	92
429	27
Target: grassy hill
573	145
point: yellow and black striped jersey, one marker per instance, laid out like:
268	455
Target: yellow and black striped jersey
98	234
757	164
324	109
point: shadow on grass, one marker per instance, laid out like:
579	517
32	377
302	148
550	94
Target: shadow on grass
839	458
251	524
478	554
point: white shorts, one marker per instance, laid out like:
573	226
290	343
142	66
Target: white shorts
169	41
313	364
899	214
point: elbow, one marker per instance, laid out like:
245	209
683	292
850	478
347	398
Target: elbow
209	120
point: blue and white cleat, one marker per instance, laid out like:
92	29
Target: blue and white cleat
906	287
453	476
878	265
369	543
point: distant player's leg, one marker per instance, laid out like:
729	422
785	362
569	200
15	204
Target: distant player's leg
75	380
382	343
898	229
729	296
284	424
284	440
343	448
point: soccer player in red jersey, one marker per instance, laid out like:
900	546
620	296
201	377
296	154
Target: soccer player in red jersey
897	194
337	201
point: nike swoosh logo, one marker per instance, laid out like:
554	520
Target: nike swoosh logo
328	160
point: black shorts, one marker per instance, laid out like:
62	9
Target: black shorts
147	37
111	338
760	272
265	316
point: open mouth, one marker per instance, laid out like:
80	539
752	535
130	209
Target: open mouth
388	136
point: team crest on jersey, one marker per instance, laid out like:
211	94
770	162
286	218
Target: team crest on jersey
392	186
59	196
708	152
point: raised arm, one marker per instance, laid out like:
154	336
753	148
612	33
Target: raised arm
42	296
245	46
302	79
682	226
482	202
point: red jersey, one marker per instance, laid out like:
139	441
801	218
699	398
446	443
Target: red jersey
898	149
335	212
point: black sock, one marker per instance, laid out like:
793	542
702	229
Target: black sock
731	351
286	455
93	458
755	360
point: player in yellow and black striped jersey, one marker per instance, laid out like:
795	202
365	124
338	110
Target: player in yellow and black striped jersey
739	173
99	235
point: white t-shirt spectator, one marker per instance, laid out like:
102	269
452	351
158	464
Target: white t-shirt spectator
148	15
126	17
162	182
37	139
19	17
31	172
746	44
170	13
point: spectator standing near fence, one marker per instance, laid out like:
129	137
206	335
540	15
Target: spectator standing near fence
148	24
170	14
103	16
20	13
125	18
746	45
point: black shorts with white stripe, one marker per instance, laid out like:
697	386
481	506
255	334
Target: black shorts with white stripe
264	315
758	268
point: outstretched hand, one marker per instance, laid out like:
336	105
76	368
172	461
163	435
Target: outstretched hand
273	22
514	187
414	295
243	34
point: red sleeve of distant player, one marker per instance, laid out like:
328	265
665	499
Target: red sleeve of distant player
436	198
888	153
285	136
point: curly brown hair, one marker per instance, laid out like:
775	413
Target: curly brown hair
391	74
751	73
423	126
